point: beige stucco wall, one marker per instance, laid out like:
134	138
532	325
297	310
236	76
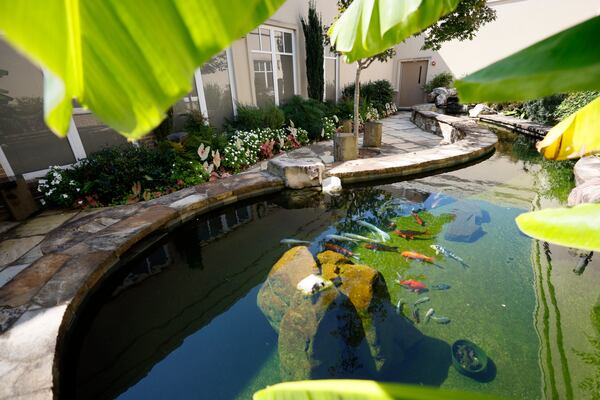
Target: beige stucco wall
288	16
519	24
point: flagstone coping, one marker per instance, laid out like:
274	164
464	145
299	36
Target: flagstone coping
39	304
524	126
466	142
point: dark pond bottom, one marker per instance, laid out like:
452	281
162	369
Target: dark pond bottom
181	321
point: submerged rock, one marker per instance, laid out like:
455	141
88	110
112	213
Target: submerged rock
275	295
388	335
321	336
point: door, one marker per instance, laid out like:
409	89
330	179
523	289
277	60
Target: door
413	75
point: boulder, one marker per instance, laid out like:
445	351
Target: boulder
297	173
586	168
588	192
466	227
388	335
441	100
331	257
321	336
440	90
275	295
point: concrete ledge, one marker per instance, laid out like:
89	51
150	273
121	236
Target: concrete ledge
467	142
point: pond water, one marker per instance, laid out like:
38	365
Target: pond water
182	321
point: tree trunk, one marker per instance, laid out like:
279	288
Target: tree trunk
356	101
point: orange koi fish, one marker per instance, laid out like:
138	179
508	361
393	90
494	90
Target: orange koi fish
417	256
418	219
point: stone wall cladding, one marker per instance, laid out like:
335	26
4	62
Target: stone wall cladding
524	126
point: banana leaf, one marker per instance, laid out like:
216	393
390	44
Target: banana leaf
576	136
573	227
347	389
369	27
566	62
127	61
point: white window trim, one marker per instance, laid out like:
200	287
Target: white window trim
200	87
273	52
337	76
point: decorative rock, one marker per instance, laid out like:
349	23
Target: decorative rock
321	336
344	147
441	100
297	173
388	335
373	132
480	109
331	257
177	137
332	185
313	284
276	293
587	177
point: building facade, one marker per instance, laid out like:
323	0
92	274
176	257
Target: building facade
266	66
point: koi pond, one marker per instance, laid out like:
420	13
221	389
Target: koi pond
182	320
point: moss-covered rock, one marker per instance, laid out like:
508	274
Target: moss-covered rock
388	335
321	336
275	295
331	257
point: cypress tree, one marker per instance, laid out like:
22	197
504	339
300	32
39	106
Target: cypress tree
314	40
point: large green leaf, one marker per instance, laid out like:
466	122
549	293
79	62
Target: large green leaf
576	136
126	60
345	389
566	62
369	27
574	227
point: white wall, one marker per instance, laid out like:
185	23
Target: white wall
519	23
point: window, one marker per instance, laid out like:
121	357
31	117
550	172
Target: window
94	135
212	93
331	79
273	60
26	143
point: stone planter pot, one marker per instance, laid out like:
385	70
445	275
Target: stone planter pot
344	147
373	132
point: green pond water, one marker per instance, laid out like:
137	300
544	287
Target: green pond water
181	321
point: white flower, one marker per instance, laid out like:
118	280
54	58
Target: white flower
65	196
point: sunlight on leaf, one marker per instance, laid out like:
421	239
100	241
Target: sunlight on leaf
127	61
576	136
573	227
566	62
346	389
369	27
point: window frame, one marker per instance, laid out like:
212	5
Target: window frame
336	78
274	53
74	138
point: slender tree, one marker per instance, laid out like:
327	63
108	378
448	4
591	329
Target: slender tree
314	39
462	24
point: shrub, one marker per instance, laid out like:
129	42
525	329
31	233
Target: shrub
542	110
111	175
345	108
329	127
443	79
377	93
251	117
572	103
247	147
306	114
